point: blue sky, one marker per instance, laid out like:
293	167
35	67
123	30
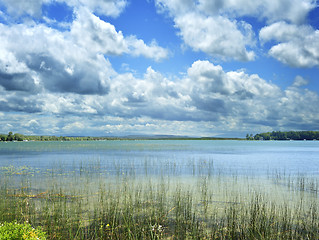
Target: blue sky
196	68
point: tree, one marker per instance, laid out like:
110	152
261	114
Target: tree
3	137
18	137
291	135
10	137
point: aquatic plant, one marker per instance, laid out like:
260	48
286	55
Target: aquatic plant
89	201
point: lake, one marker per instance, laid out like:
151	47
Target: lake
163	189
240	157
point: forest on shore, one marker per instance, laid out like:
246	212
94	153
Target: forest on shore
291	135
275	135
20	137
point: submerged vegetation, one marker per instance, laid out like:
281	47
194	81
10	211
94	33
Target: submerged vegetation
91	201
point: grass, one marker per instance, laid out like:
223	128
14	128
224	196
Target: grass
88	201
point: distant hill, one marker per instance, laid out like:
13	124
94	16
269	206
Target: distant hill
176	137
154	137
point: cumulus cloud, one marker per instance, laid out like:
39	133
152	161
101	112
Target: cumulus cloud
41	57
208	94
211	78
299	81
32	124
294	11
18	82
217	28
98	36
87	33
92	33
297	45
207	98
37	58
72	104
73	127
232	95
298	109
20	7
216	35
111	8
14	74
47	74
137	47
33	8
16	102
226	100
153	96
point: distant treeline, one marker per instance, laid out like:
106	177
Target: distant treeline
20	137
291	135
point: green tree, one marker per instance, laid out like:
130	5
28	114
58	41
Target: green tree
10	136
3	137
18	137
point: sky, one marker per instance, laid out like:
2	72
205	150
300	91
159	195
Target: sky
158	67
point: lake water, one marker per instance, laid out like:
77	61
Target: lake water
175	157
214	175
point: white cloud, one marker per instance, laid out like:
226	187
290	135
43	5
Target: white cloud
216	36
95	35
98	36
294	11
207	99
300	81
207	94
20	7
211	79
217	28
297	45
37	58
47	62
111	8
9	63
88	35
298	109
53	74
230	97
153	96
73	127
71	104
283	32
137	47
33	8
32	123
32	126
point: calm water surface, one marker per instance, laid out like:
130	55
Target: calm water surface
178	157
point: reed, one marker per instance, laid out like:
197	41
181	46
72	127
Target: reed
89	201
